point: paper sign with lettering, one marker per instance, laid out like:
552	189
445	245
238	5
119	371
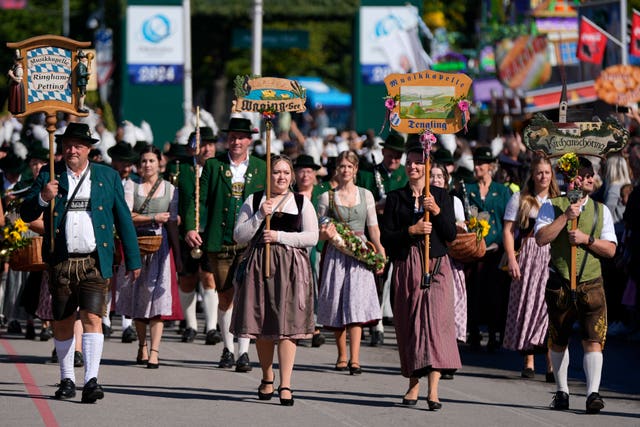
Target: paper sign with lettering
268	95
427	100
48	68
582	138
619	85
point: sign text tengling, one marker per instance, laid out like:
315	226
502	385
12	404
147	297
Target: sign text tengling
427	100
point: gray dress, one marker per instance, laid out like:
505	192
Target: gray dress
150	295
347	292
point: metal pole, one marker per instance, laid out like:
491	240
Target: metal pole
188	82
256	39
65	18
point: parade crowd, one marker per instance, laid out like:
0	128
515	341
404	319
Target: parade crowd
329	237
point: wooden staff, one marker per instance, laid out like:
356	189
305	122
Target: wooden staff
267	246
196	252
426	279
51	121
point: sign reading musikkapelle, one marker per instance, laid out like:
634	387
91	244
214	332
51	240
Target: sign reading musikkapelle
427	101
49	82
583	138
268	95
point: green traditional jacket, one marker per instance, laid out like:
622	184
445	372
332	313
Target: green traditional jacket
182	174
216	197
397	179
561	248
495	203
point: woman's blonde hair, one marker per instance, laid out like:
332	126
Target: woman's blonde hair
528	200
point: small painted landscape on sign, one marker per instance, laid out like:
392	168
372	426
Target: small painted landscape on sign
427	102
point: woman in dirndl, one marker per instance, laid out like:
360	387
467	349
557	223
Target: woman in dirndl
347	296
154	209
278	308
527	319
422	315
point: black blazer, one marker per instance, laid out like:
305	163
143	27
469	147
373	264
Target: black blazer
399	216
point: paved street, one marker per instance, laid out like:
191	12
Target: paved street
189	389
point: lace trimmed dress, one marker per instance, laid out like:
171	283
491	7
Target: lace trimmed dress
150	295
281	306
347	291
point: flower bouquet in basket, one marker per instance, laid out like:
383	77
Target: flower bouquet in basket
23	250
348	242
14	237
470	246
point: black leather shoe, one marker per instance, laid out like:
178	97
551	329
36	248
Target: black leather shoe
317	340
285	402
560	401
46	334
106	331
303	343
78	359
14	327
213	337
227	360
243	364
92	391
129	335
189	335
30	333
594	403
354	369
528	373
550	377
447	374
377	339
409	402
54	356
434	406
66	389
265	396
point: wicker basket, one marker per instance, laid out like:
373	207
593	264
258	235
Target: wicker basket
467	247
28	258
149	244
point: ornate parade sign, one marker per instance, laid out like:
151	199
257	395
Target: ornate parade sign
52	78
583	138
619	85
268	94
427	101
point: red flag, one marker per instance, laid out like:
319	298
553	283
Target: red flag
591	42
634	47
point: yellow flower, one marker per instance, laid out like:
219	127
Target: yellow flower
14	237
485	227
473	222
21	226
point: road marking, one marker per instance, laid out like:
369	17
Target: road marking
33	390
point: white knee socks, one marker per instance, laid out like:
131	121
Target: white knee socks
224	319
188	301
92	344
243	346
210	309
560	362
592	365
126	323
65	351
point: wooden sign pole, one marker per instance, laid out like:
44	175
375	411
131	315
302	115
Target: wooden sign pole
426	279
267	257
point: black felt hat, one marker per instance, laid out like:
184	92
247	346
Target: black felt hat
39	153
238	124
305	161
12	163
179	151
394	141
206	134
123	152
483	155
442	156
79	131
